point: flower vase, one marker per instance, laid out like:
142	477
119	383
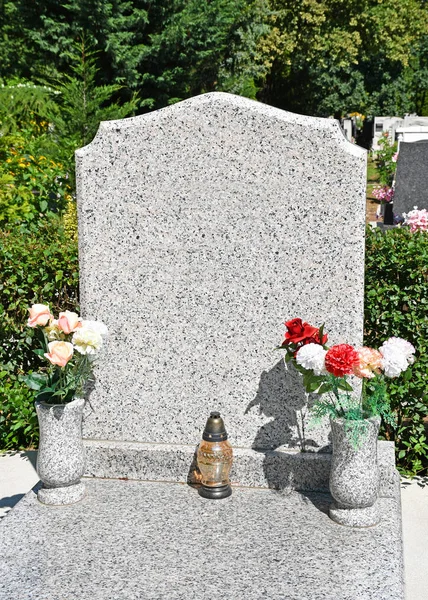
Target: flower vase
61	456
354	476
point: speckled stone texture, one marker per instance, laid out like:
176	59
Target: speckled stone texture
354	475
202	227
411	180
282	469
61	455
155	541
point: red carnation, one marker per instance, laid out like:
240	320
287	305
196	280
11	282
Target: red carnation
341	359
302	333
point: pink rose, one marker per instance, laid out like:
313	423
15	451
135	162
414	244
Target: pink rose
39	315
59	353
68	321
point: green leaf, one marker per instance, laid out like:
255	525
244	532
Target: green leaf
39	352
324	388
344	385
35	381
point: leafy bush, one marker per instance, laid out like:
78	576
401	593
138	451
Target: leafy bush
384	160
396	299
18	418
39	263
30	183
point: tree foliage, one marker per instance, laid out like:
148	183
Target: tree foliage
338	56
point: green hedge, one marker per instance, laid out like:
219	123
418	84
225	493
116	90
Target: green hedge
39	264
396	302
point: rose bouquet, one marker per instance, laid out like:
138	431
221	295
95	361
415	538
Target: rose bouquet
69	345
326	371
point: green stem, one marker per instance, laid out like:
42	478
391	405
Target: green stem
337	395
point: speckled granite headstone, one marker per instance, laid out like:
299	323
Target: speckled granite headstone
411	180
202	227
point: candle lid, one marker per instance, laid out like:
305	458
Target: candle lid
215	430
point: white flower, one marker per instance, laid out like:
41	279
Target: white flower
87	340
312	358
397	356
97	326
393	363
400	345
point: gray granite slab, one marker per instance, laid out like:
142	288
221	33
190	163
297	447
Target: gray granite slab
202	228
277	469
153	541
411	179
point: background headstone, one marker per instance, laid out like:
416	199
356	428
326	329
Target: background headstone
202	228
348	129
411	179
384	125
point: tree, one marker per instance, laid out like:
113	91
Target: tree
336	56
203	47
82	103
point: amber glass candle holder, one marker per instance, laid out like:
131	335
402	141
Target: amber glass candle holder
215	456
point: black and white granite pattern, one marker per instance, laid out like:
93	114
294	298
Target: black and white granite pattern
277	469
153	541
411	179
61	454
202	228
354	475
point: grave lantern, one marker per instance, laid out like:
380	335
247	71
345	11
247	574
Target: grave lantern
214	458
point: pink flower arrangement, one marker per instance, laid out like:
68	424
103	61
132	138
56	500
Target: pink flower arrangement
69	344
383	193
416	219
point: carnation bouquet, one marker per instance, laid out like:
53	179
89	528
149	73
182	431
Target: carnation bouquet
69	345
326	371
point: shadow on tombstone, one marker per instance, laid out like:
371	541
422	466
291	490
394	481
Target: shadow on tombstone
281	396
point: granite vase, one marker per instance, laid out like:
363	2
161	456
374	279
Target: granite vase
354	475
61	455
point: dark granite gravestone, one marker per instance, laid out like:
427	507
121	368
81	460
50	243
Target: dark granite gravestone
411	180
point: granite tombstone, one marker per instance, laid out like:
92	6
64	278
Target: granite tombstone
411	179
202	227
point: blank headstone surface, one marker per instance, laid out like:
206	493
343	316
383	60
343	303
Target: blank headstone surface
202	228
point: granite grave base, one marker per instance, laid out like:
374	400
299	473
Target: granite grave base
130	540
281	468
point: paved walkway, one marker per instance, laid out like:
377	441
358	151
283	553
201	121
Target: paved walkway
18	476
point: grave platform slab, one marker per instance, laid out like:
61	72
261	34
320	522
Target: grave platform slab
129	540
281	468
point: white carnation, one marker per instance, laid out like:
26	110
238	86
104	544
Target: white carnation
97	326
397	356
87	340
394	362
312	358
400	345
